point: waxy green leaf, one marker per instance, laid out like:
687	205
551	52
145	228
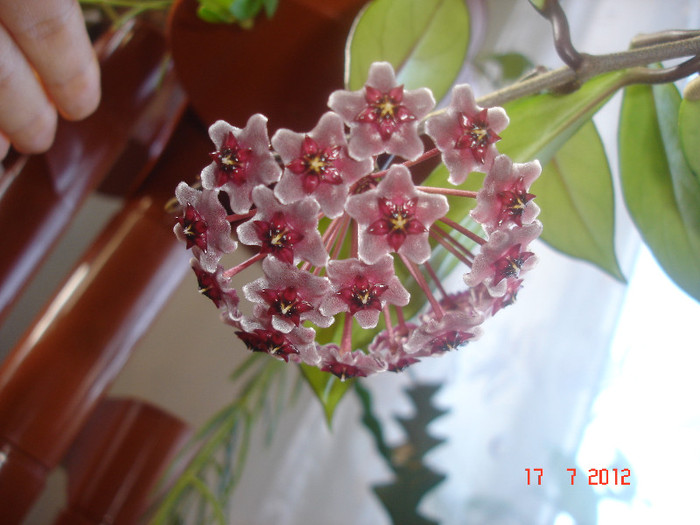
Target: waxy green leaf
661	193
538	4
328	388
569	195
575	193
216	11
686	187
425	40
234	11
541	124
689	129
512	66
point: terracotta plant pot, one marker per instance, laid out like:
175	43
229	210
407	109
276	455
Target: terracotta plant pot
284	67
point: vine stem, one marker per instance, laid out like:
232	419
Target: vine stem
464	231
420	280
592	65
245	264
448	191
346	340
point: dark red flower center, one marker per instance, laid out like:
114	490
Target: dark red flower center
316	165
385	110
278	237
362	294
231	161
451	340
344	371
286	303
208	286
510	263
397	221
509	297
268	341
194	227
401	363
513	204
475	135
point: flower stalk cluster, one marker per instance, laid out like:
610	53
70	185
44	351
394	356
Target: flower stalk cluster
333	217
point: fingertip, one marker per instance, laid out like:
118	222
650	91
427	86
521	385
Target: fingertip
4	147
80	96
37	135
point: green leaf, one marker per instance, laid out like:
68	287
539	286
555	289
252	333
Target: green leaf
425	40
328	388
231	11
538	4
212	12
661	193
206	482
539	127
271	7
575	193
511	67
689	129
245	9
686	187
541	124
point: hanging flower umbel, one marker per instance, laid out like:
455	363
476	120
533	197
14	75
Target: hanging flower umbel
344	236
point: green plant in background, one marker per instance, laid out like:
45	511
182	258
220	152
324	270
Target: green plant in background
413	479
241	12
235	11
216	455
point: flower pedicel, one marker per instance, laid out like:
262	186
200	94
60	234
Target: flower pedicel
331	226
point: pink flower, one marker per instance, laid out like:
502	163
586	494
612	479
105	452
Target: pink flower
288	232
203	225
327	214
216	287
395	217
288	295
363	289
390	352
504	258
192	228
512	289
318	164
347	365
268	341
475	300
242	160
466	134
382	116
296	345
504	199
450	332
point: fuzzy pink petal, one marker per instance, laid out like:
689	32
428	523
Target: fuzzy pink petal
218	229
261	166
328	137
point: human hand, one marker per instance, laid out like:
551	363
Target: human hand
47	66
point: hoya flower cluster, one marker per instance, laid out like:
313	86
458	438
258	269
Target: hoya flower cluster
333	218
